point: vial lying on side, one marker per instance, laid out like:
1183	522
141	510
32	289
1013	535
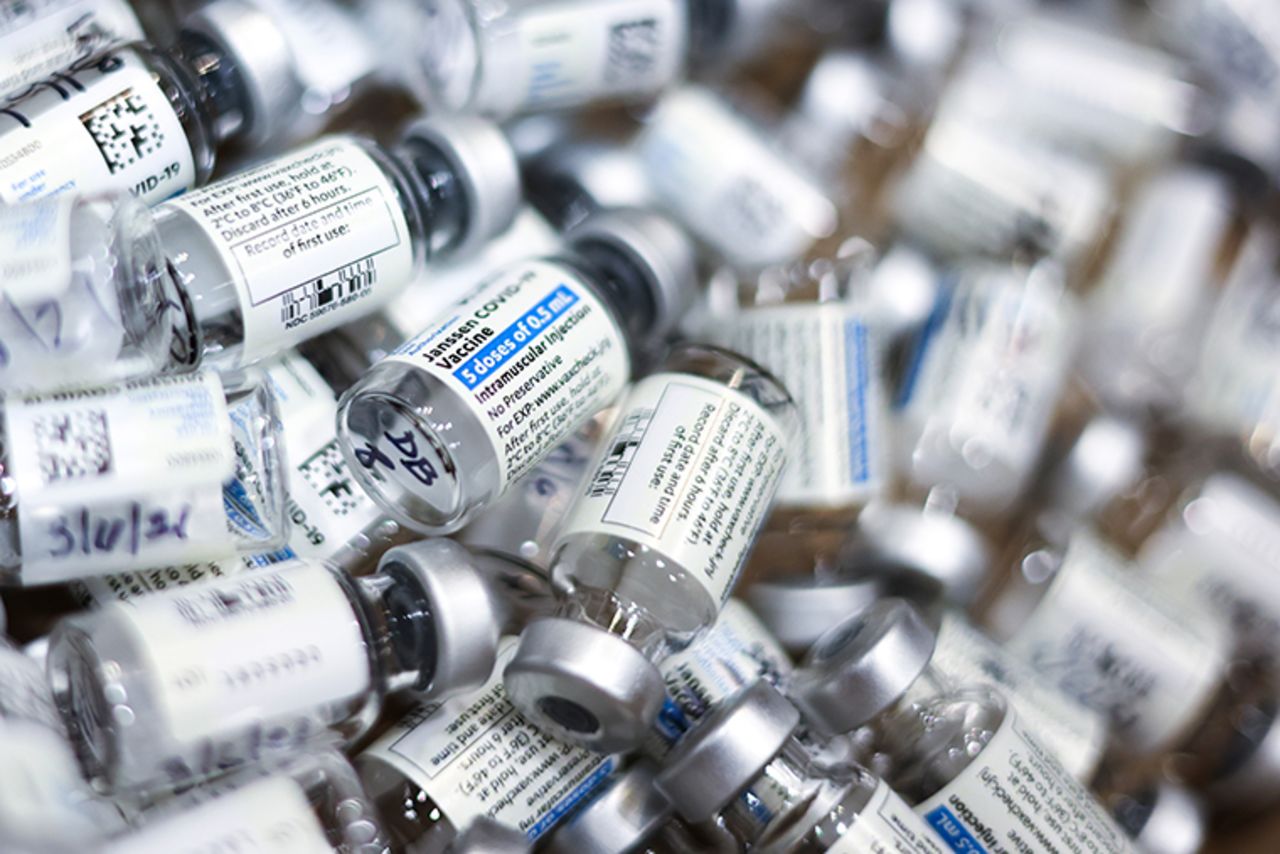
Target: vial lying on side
145	474
179	685
442	427
41	38
654	544
486	836
745	773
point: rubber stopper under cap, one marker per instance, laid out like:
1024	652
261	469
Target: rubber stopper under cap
621	819
661	250
726	751
263	60
486	167
584	685
863	666
798	612
938	546
463	614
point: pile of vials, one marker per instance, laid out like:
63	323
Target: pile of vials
669	426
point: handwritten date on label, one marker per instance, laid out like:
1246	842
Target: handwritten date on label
126	528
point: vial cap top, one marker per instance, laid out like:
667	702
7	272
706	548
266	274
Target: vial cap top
726	751
485	166
621	819
464	617
799	611
583	685
661	251
938	546
863	666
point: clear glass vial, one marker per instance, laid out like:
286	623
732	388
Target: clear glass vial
329	233
179	685
45	36
744	773
86	494
442	427
310	802
654	544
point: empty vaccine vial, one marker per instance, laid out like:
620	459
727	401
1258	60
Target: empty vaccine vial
139	475
311	802
178	685
40	38
439	429
744	772
654	544
421	772
308	241
983	382
797	610
87	293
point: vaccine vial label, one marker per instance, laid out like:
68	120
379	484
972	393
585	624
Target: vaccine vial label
311	241
725	183
474	755
326	508
121	477
886	825
42	37
689	471
532	353
826	356
1223	554
1119	646
100	125
736	651
1014	796
126	586
227	654
271	816
35	251
1072	732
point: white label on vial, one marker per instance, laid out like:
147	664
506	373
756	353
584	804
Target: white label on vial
325	506
231	653
1223	554
270	816
1075	734
1117	645
1013	797
121	477
98	590
826	357
727	185
532	352
101	125
42	37
476	755
35	250
886	825
311	241
43	797
736	651
689	471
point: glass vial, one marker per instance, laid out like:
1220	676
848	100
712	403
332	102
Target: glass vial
179	685
743	771
42	37
440	429
421	773
308	241
88	494
654	544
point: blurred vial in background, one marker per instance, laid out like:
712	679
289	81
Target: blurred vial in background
445	425
42	37
486	836
654	543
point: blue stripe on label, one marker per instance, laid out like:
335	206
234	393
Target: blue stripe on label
924	338
584	789
516	337
952	832
855	349
672	722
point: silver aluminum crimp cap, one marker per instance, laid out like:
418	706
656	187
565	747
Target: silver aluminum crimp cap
620	819
861	667
485	165
940	547
465	619
584	685
726	751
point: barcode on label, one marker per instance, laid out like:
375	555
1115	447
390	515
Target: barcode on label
255	594
73	445
618	458
304	301
633	49
327	474
124	129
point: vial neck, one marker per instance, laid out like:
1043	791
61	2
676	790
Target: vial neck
783	791
404	631
623	284
436	196
604	609
216	87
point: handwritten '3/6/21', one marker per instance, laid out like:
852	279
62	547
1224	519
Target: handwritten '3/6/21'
127	528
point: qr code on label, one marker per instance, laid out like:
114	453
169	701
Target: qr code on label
124	129
71	445
633	49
